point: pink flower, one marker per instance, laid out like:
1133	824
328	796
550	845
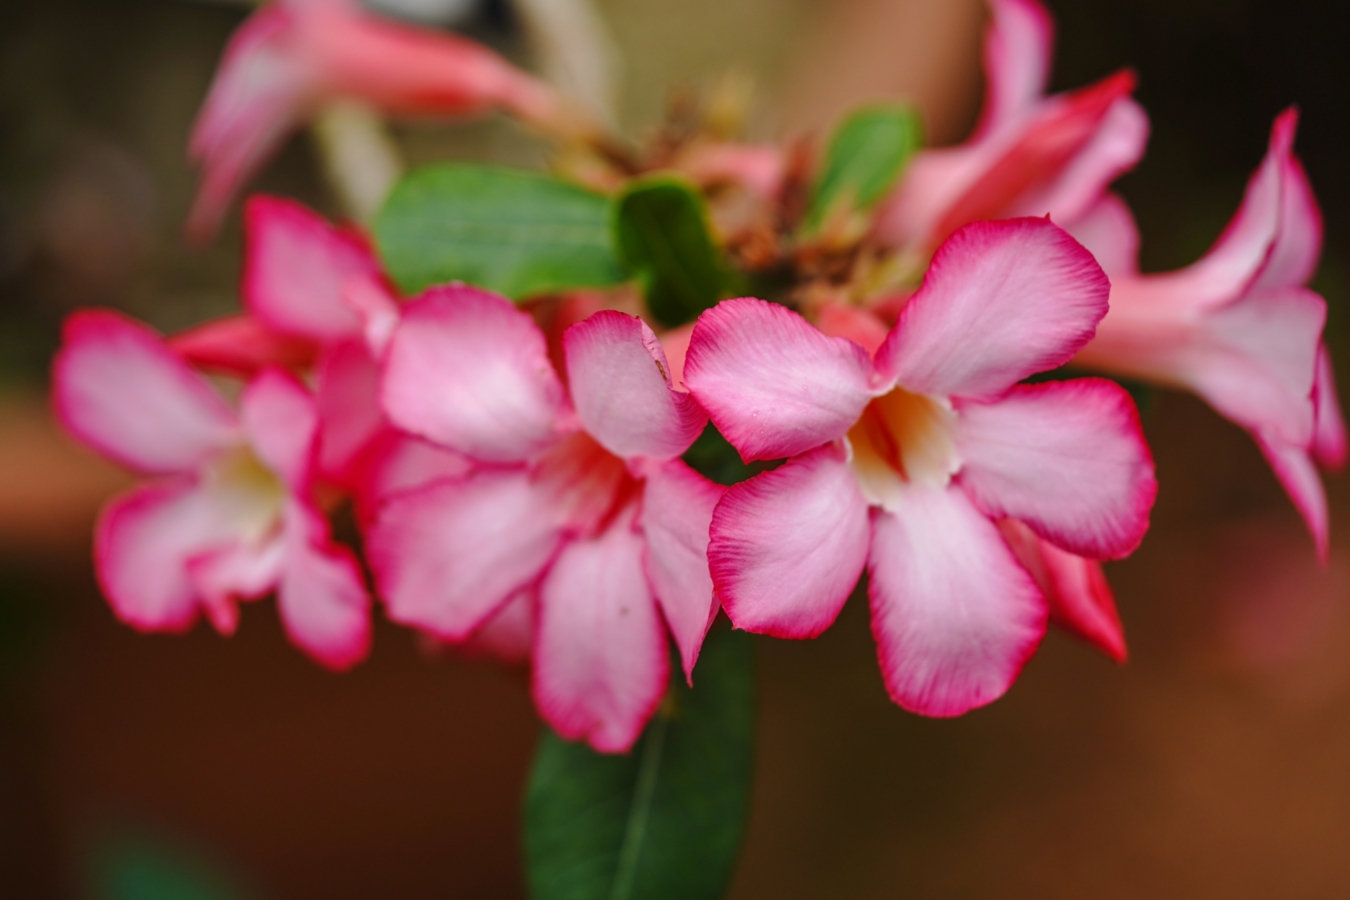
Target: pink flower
317	301
1030	154
230	514
578	501
292	56
1239	328
906	461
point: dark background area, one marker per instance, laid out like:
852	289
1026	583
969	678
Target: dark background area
1212	764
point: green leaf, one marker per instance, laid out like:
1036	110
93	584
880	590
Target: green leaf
664	820
866	155
514	232
713	457
141	868
662	234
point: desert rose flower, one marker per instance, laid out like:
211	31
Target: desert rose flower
906	461
1240	329
292	56
229	513
1030	154
577	500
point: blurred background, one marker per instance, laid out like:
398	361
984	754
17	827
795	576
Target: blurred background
1212	764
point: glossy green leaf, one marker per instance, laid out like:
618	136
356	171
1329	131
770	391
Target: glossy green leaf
664	821
662	234
514	232
865	158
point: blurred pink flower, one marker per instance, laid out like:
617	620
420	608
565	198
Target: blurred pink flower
577	500
905	461
1030	154
1240	329
291	56
231	513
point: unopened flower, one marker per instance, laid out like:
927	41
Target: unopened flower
577	501
1030	154
292	56
229	513
904	462
1240	329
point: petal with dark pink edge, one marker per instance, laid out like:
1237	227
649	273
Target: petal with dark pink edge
1066	457
378	308
788	545
241	570
677	510
398	462
1329	437
772	383
600	661
1077	592
1017	48
1001	301
1298	241
240	346
447	555
143	544
118	388
1296	472
469	370
347	395
282	425
324	605
954	615
1108	231
296	267
620	385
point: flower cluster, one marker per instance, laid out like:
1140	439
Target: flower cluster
516	472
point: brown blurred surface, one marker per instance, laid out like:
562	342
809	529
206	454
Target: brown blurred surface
1213	764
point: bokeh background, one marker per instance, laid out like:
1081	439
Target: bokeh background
1213	764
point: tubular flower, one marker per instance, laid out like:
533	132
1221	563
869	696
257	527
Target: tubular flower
317	301
230	514
292	56
577	501
1030	154
1240	329
906	461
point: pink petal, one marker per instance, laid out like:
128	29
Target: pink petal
241	570
1329	438
240	346
620	384
600	663
1108	231
322	597
1017	53
860	325
447	555
1295	470
954	615
788	545
468	370
1116	144
378	308
1066	457
398	462
256	99
143	544
1001	301
347	395
773	384
118	388
296	267
677	510
675	345
1079	597
759	168
282	425
1298	242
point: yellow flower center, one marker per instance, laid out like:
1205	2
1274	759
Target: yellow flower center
902	438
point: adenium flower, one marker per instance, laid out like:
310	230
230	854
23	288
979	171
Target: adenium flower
1030	154
229	513
292	56
577	501
1240	329
317	302
906	462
